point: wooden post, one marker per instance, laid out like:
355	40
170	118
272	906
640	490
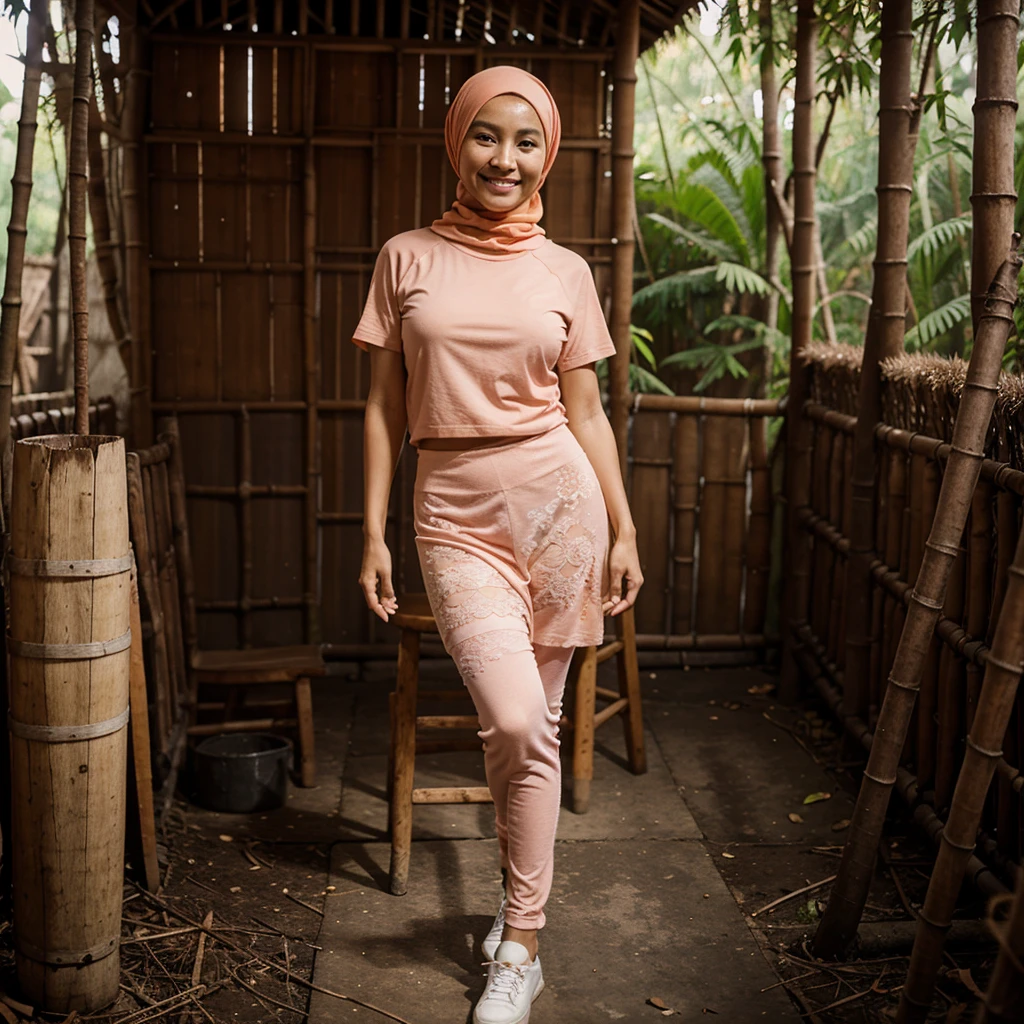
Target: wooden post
78	175
70	634
627	46
803	263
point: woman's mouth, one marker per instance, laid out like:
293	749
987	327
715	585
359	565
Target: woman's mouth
501	184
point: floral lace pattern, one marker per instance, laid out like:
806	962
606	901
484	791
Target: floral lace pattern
433	518
462	587
472	654
563	545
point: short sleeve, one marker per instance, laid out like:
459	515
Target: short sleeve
381	321
588	339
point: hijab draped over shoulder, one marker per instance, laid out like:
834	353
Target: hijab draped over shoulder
468	221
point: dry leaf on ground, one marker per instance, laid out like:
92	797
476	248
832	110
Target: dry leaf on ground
795	818
813	798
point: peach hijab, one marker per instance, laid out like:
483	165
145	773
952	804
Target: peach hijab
467	221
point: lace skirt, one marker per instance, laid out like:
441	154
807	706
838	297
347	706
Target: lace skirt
513	545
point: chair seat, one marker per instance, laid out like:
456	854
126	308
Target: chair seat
414	613
279	662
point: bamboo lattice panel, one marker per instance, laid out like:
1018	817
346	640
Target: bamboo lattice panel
276	166
920	398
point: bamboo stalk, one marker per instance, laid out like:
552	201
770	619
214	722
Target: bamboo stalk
78	175
803	264
774	169
842	915
627	44
17	232
993	195
885	329
999	690
993	203
99	214
135	256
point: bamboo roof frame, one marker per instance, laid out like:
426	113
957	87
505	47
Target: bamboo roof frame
571	23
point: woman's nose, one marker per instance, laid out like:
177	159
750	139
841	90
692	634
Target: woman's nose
504	155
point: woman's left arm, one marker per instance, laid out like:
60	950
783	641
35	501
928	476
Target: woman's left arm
581	397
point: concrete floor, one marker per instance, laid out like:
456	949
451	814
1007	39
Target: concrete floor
639	907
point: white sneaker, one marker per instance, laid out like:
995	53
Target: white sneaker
512	985
490	944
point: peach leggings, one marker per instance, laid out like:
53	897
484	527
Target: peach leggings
513	544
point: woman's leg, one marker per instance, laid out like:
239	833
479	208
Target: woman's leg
518	699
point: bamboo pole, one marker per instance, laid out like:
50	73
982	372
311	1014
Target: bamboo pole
771	158
627	46
78	175
993	195
842	915
993	203
999	690
884	337
135	256
17	231
803	263
99	214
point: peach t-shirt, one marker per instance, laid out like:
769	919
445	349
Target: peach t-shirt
482	335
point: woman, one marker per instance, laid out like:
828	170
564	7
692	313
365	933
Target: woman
482	336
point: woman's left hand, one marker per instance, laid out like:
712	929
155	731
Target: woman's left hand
623	560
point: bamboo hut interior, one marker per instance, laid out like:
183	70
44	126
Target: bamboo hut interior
258	153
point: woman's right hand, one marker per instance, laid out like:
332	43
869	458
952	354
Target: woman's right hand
377	565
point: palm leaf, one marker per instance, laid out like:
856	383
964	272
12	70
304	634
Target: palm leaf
741	279
701	205
928	243
701	239
939	321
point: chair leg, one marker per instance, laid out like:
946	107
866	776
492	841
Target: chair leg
404	759
390	777
307	747
583	729
629	687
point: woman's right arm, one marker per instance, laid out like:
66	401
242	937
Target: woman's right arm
383	433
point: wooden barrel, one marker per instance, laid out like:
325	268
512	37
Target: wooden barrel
69	654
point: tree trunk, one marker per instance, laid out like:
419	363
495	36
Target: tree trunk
78	175
17	231
627	48
849	895
883	338
994	203
993	197
803	262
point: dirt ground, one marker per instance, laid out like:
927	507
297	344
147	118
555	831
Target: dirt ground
232	934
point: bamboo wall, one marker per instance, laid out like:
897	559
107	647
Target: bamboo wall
920	399
266	206
700	491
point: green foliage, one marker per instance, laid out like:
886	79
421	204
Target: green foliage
938	322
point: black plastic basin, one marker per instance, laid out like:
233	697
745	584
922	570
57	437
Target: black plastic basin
242	771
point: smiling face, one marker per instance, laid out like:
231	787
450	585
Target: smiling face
502	155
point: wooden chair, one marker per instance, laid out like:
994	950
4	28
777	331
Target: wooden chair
415	618
159	528
587	719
